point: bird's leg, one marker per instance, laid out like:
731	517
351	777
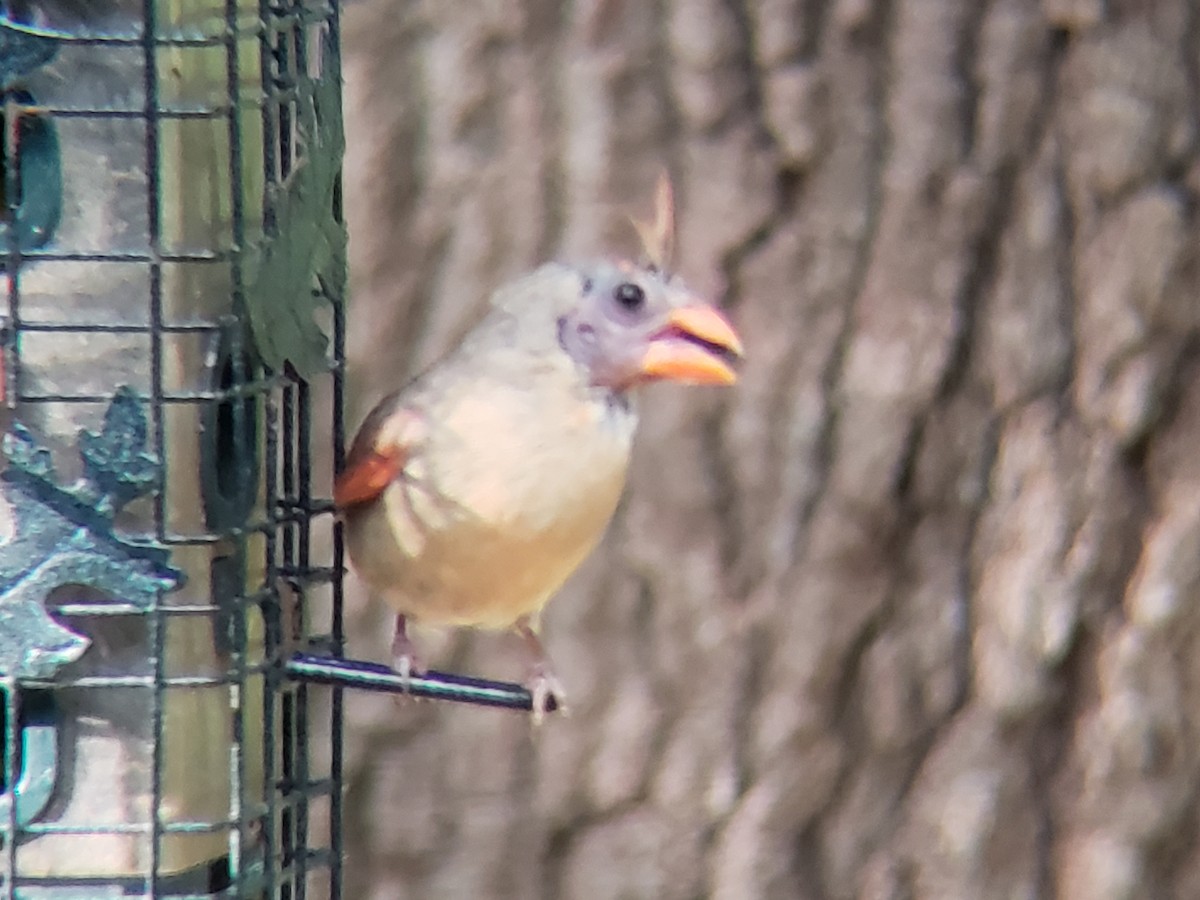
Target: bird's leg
542	682
404	653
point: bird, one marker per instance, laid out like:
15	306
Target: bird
469	495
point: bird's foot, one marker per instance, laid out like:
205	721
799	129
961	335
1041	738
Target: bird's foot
542	683
545	688
407	665
405	661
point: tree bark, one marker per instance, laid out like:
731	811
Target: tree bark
912	610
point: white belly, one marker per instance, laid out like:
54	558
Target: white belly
495	511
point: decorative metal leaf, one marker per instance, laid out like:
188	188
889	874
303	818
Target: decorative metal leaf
67	536
115	460
281	299
23	450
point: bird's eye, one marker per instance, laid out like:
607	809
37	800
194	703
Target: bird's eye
630	296
587	285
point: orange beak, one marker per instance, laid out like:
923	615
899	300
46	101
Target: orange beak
697	346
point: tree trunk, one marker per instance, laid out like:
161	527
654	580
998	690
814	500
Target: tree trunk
912	610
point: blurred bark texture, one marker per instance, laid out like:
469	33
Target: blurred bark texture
912	611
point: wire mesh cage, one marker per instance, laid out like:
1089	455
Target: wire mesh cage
173	254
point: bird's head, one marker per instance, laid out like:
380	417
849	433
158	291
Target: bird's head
625	323
634	324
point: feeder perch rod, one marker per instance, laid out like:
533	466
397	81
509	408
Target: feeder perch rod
357	673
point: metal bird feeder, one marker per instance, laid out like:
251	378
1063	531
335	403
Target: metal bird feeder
173	261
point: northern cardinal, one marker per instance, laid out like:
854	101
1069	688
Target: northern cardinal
471	494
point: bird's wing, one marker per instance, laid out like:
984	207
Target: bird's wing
381	449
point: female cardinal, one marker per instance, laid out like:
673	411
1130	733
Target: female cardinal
471	494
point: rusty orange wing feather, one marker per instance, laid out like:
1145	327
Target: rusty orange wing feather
378	455
368	476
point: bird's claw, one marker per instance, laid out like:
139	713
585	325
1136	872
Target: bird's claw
405	661
542	683
543	687
406	666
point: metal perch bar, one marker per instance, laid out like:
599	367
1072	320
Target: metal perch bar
356	673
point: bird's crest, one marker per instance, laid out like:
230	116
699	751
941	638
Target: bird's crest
658	234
